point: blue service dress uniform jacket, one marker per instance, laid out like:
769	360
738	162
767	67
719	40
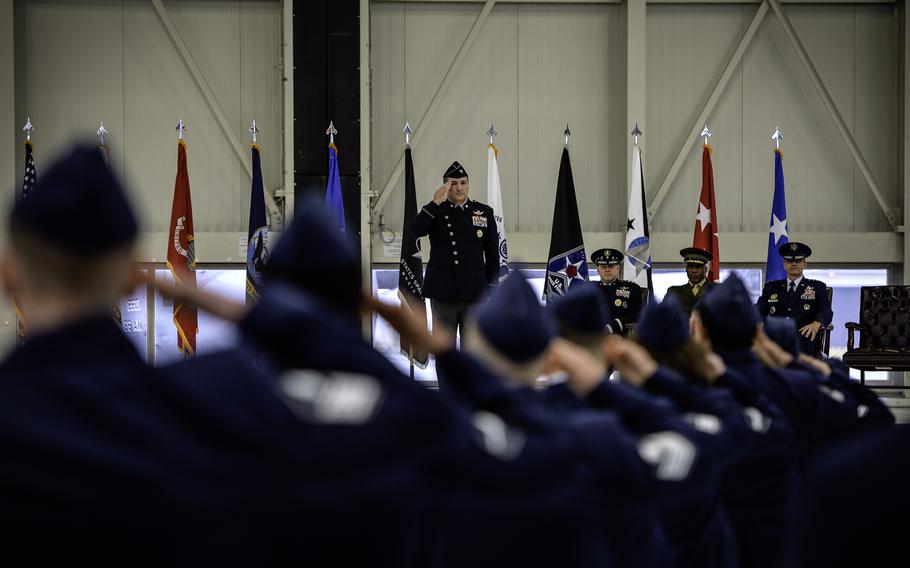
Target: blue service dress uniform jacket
464	250
807	304
624	299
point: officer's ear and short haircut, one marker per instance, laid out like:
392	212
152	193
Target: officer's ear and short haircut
592	342
525	371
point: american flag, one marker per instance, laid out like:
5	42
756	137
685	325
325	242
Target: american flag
31	175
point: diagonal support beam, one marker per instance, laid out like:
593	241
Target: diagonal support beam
209	96
424	122
891	213
708	108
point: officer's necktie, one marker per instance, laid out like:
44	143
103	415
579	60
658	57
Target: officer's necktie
792	287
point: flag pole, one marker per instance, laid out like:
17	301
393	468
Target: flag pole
28	129
253	130
492	132
102	132
777	137
636	132
181	126
331	131
567	133
706	134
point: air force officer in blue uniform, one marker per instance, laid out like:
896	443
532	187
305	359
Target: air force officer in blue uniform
801	299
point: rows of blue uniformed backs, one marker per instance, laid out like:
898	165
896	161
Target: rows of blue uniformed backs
302	444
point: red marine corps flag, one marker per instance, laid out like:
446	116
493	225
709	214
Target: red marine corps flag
181	257
705	236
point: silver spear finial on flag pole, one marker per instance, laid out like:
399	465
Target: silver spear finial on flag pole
253	130
28	129
777	137
492	133
102	132
636	132
181	127
407	133
331	132
706	134
567	133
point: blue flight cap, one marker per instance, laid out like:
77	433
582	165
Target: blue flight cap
729	315
663	326
78	206
313	254
782	331
581	310
513	322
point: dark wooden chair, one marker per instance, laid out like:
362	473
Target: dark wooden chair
884	332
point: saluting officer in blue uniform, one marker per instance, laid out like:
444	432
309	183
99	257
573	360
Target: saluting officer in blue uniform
687	295
801	299
622	296
464	249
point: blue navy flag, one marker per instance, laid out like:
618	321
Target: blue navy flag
30	178
257	244
333	201
777	235
567	261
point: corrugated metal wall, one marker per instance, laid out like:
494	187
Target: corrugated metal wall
536	67
79	63
533	69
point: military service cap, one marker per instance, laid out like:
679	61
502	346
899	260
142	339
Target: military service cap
78	205
663	326
794	251
606	256
582	309
695	255
513	322
783	332
729	315
455	171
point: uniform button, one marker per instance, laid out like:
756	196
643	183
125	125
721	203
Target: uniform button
447	216
451	234
453	243
456	262
448	224
455	253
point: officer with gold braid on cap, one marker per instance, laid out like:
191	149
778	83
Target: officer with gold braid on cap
803	300
623	296
464	249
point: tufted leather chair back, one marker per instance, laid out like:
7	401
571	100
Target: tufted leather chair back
885	317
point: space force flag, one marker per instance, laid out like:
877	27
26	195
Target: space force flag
566	262
777	234
494	199
410	268
181	254
637	264
257	243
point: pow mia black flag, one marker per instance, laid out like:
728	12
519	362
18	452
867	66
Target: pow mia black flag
410	269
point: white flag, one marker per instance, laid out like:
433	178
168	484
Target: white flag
494	200
637	266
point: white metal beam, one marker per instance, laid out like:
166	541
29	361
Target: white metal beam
708	107
693	2
422	125
891	213
287	79
366	251
209	96
636	77
905	154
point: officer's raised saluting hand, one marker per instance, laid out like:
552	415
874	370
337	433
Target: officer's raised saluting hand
583	372
632	361
769	353
409	326
442	193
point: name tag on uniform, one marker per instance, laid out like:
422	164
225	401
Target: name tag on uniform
808	294
480	221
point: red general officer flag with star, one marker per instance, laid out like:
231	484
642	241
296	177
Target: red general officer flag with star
706	218
181	253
